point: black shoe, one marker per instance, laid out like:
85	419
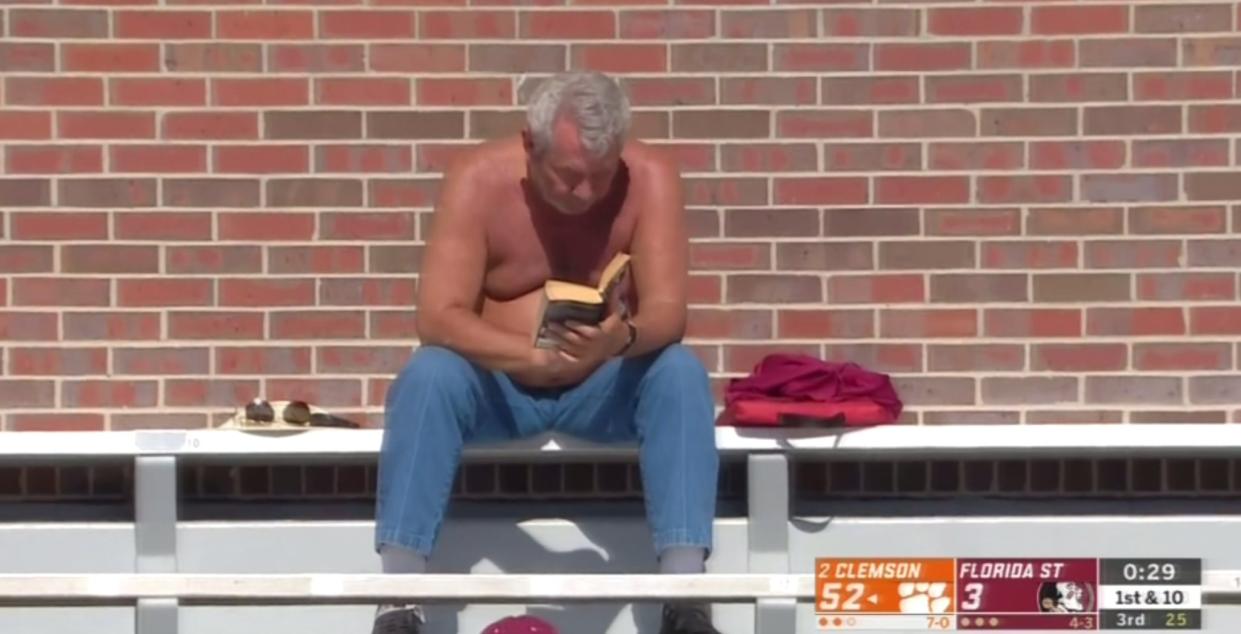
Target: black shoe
394	619
687	618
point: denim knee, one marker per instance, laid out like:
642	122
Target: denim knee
432	368
676	369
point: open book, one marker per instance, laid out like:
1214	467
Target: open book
568	301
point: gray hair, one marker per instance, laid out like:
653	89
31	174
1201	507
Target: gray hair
592	100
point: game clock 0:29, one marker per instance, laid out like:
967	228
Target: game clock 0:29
1162	572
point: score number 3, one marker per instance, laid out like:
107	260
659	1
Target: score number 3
831	596
973	596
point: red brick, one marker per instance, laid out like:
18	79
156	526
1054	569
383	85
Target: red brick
19	393
160	361
870	221
213	57
1129	254
973	221
369	24
618	58
1028	122
85	258
263	361
1169	356
1029	255
659	24
1033	322
1137	390
158	158
941	122
820	190
401	192
53	91
881	357
1178	220
363	91
325	58
1128	52
228	393
975	21
325	259
823	256
571	24
1126	120
1029	390
260	159
472	24
958	288
819	324
1215	253
368	292
714	323
215	126
266	292
321	392
737	190
1079	357
928	323
1223	390
729	256
163	25
1182	18
26	258
1076	20
745	357
369	359
871	23
1213	185
1130	188
1187	286
1026	54
1211	51
53	159
824	124
768	90
57	361
61	291
1215	320
1082	287
1063	155
265	24
712	57
935	190
766	222
434	91
111	326
266	226
893	89
215	325
1076	221
1181	153
30	326
32	57
867	157
769	157
1024	189
974	88
60	421
1183	86
421	58
156	291
110	57
157	92
923	56
917	391
975	357
396	324
211	192
771	24
1079	87
774	288
89	393
25	125
319	324
214	259
1135	322
58	23
670	91
268	91
820	57
987	155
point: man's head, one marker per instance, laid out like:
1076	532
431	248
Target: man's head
576	125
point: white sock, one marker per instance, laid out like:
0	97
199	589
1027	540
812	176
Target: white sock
398	560
683	560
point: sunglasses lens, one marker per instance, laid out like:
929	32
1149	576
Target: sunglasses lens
259	410
297	412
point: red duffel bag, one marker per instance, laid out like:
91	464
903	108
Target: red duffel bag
798	390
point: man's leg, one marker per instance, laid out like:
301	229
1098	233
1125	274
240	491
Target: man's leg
439	402
663	400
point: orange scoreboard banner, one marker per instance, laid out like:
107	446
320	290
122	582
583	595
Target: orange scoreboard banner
1008	594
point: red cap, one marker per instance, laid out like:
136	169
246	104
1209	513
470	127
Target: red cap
520	625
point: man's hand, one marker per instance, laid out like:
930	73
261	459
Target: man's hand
591	345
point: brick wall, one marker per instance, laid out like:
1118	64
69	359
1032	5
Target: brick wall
1026	211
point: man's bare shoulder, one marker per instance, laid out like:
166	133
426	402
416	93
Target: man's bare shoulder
485	166
650	162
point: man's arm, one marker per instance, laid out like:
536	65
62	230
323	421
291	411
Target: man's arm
660	262
453	266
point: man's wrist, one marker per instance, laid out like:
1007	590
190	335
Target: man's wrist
629	335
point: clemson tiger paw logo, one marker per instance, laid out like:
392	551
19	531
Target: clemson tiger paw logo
924	597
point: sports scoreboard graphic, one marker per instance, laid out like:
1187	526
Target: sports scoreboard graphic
1008	594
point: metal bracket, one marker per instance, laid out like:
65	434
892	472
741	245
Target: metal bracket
768	496
155	536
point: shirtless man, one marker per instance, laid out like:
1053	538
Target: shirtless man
557	201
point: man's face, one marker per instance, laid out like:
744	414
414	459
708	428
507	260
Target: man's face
568	177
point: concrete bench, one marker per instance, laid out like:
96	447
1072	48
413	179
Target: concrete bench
764	545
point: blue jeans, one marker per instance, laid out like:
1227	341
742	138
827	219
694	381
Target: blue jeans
441	401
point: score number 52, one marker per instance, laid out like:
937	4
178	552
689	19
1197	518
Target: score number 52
830	596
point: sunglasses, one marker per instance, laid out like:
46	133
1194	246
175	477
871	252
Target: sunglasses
295	413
